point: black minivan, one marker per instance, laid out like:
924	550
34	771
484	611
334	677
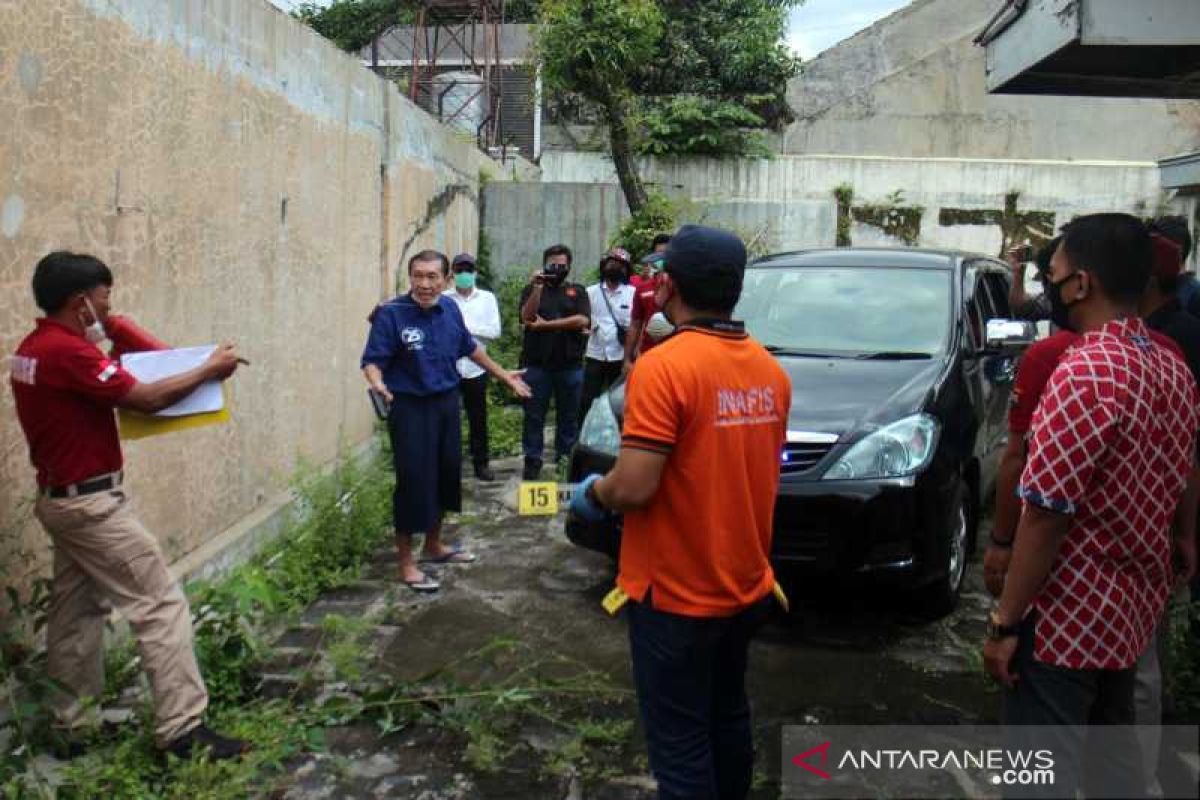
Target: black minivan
901	363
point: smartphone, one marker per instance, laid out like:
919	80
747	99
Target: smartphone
1026	253
379	403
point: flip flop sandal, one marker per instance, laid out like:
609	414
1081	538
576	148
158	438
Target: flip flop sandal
456	555
424	585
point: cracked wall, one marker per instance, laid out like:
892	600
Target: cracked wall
246	181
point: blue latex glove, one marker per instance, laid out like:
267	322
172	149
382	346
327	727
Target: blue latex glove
583	507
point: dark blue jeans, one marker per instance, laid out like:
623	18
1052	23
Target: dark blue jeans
690	675
564	385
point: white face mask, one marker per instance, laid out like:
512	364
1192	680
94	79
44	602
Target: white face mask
94	333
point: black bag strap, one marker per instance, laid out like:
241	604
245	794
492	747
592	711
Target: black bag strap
604	296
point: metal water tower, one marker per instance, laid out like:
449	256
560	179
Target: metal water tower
465	92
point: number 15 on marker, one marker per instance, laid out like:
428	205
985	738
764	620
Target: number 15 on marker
537	499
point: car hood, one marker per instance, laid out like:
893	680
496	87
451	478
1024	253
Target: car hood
834	395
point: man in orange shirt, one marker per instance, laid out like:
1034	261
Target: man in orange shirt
705	422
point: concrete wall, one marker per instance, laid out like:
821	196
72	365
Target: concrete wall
246	181
912	85
788	202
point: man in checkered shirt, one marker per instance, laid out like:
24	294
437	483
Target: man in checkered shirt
1108	500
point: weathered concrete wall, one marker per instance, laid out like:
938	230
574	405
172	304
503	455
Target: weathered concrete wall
913	85
246	181
789	202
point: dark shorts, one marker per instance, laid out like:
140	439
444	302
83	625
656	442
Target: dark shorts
427	451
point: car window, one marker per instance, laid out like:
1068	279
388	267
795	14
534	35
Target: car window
848	310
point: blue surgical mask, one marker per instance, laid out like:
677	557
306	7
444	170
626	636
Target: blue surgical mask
464	280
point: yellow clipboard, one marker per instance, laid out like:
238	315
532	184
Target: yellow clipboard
135	425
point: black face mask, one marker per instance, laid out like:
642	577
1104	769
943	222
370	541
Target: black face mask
556	273
615	274
1059	310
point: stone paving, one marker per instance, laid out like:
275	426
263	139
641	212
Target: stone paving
534	599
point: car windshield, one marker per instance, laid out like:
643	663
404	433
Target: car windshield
852	312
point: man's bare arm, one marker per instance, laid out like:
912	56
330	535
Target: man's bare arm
633	481
1039	536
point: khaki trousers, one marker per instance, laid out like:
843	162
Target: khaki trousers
104	558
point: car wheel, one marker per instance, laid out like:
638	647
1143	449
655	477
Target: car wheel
942	596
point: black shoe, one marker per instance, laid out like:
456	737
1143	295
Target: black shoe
202	738
532	471
484	473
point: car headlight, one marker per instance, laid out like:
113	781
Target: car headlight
600	431
902	448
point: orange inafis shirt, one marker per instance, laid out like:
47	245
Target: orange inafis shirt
716	403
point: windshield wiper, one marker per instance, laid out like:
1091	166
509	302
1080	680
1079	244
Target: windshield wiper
787	351
895	355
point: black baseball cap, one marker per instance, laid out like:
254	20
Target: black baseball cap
701	252
463	259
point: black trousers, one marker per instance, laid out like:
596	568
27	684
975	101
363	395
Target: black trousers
427	454
597	377
474	395
690	674
1085	716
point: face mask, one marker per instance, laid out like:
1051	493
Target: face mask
464	280
1059	309
614	273
662	301
94	333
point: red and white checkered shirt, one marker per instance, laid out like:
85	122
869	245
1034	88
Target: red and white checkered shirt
1112	446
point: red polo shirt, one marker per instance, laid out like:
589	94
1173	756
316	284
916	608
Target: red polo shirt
1112	446
645	307
65	390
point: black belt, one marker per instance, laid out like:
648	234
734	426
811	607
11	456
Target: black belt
104	483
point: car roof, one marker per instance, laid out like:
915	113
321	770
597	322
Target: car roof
906	257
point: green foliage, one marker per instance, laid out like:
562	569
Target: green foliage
25	687
694	125
352	24
725	50
593	47
1182	662
893	217
660	215
697	76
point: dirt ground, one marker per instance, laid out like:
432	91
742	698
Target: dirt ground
535	690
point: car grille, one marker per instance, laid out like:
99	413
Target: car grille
800	457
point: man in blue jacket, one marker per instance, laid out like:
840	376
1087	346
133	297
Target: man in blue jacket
410	359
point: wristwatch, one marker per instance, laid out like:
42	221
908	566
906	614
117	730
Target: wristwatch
996	631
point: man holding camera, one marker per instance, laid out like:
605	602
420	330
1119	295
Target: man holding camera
612	299
557	317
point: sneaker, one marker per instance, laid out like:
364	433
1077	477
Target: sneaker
203	738
532	471
484	473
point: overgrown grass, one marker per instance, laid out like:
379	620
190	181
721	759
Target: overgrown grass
344	519
343	516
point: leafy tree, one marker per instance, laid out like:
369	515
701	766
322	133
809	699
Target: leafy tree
671	77
593	48
352	24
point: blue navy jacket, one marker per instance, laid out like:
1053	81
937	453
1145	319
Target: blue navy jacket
416	349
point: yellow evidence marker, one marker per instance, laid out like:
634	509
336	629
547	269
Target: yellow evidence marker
543	498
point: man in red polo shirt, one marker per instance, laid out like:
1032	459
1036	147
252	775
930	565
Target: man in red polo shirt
1110	458
65	389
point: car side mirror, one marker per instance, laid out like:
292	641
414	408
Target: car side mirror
1010	336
